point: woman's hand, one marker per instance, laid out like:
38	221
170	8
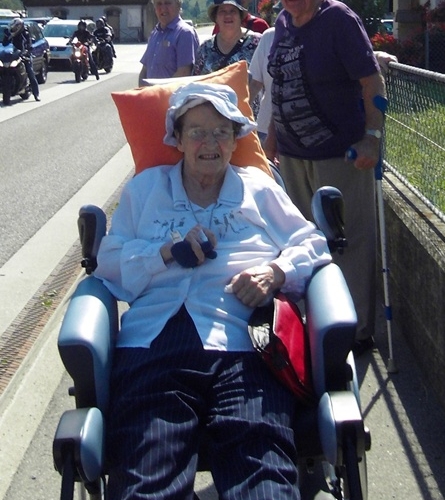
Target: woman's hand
195	237
255	286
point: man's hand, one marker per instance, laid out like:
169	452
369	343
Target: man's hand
383	58
367	153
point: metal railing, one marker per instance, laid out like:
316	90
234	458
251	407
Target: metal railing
414	148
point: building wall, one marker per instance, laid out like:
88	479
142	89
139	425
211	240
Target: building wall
131	23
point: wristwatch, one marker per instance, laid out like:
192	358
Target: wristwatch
376	133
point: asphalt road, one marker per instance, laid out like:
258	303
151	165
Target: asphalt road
69	149
51	150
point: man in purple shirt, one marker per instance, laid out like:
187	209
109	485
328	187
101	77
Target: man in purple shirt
172	45
325	78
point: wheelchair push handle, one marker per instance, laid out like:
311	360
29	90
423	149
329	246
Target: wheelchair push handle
92	226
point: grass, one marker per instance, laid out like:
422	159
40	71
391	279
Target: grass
415	137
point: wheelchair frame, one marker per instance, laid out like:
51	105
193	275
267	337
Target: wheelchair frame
331	438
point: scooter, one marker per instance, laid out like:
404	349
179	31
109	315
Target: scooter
79	60
103	55
13	76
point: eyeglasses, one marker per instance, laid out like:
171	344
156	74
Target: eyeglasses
220	134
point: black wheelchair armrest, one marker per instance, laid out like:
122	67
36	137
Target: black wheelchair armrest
86	342
331	324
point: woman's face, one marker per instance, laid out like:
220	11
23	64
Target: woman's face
228	17
207	140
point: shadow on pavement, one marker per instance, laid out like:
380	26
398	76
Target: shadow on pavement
407	458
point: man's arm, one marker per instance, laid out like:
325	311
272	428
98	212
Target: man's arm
142	75
6	37
254	88
72	37
368	148
184	70
270	144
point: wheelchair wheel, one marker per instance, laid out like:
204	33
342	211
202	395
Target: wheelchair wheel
348	482
68	475
353	475
84	494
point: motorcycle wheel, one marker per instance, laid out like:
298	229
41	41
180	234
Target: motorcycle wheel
76	70
26	92
84	72
7	83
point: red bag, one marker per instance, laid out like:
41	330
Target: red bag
278	335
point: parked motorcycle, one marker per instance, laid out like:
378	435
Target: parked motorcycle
79	60
13	76
103	55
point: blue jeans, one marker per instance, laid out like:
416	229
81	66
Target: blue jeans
163	396
32	78
93	67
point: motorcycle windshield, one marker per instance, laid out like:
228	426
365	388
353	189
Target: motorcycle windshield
9	53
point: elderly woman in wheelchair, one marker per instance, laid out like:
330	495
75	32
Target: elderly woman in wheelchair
194	248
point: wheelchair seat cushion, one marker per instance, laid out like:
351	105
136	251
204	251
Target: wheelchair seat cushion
142	113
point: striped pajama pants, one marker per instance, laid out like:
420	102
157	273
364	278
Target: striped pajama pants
163	396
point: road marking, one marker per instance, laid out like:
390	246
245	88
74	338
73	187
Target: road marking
24	272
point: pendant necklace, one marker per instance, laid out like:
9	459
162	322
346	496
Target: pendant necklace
209	226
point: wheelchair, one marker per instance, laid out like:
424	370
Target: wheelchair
331	437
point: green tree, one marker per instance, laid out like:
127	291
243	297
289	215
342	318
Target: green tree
370	12
11	4
196	11
186	14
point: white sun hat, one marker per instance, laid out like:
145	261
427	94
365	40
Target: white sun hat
192	94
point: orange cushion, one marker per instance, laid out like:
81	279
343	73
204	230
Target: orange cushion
142	113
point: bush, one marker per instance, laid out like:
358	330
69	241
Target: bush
412	51
386	43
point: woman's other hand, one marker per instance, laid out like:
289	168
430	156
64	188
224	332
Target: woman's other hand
255	286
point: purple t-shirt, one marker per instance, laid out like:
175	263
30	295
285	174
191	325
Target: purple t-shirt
170	48
316	94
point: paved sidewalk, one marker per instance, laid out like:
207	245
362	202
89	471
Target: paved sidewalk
407	458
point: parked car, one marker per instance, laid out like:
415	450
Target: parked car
387	26
58	32
40	48
41	21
